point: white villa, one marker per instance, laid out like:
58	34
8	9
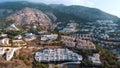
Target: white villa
30	36
71	27
95	59
2	51
18	37
70	41
49	37
83	44
18	41
3	35
42	32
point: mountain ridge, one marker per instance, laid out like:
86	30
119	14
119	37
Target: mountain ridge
62	12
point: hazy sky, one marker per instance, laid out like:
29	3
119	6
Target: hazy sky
110	6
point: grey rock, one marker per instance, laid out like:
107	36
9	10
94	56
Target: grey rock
30	16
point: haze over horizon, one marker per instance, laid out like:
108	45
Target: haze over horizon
109	6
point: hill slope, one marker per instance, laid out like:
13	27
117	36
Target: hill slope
86	13
30	17
62	12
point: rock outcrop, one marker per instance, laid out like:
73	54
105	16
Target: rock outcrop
30	17
12	27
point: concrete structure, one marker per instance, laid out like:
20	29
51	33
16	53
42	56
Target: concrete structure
18	42
49	37
42	32
83	44
71	27
30	36
2	51
71	41
8	51
18	37
69	44
4	41
3	35
55	55
95	59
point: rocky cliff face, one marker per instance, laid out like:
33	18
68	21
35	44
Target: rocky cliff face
30	17
51	16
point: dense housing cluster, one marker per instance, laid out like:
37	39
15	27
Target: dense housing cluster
50	55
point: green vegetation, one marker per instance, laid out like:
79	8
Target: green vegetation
39	65
108	59
2	24
56	66
11	33
39	28
26	58
59	37
85	54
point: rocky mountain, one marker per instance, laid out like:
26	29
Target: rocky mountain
12	27
5	12
30	17
51	16
53	12
86	13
